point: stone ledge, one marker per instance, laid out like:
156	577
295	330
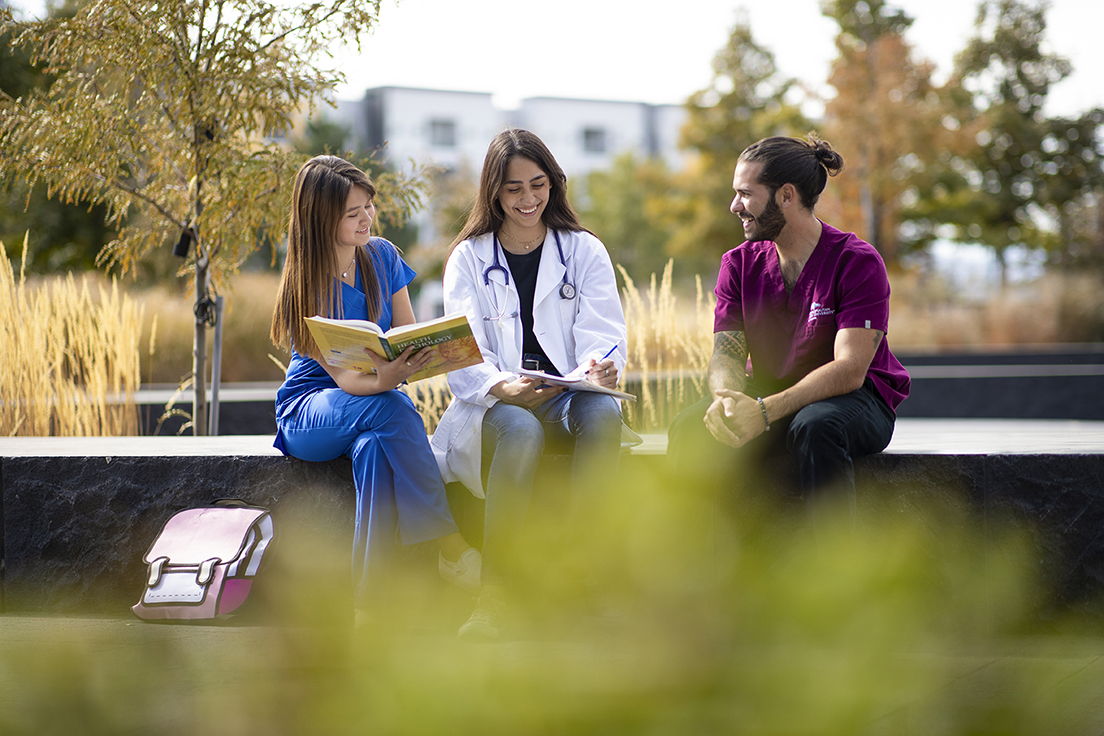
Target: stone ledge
911	436
78	516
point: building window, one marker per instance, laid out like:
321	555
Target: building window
594	140
442	133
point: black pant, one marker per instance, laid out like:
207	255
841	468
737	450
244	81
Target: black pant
822	439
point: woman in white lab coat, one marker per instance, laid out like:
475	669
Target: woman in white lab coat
540	293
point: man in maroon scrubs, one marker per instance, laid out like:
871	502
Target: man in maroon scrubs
799	350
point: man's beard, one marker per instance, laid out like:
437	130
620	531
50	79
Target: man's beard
767	224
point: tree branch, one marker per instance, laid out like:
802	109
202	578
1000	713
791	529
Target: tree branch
140	195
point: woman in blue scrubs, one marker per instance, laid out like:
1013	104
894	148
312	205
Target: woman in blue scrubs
335	268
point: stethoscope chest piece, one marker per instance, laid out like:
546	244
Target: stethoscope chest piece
567	289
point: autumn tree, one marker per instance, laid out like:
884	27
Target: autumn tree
170	114
886	120
747	100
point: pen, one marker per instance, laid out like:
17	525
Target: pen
608	353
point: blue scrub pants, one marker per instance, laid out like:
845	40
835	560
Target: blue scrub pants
514	439
399	493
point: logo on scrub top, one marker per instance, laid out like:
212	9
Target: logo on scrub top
819	310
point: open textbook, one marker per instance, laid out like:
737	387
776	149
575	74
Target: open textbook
575	381
343	343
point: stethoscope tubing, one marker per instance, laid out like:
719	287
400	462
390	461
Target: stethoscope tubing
567	289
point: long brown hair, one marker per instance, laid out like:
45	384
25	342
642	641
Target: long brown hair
307	286
487	215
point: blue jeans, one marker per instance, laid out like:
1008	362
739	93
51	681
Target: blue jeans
399	493
514	439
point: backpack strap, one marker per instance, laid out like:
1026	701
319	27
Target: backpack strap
155	570
207	570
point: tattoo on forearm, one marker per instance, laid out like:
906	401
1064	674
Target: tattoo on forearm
728	362
732	345
878	335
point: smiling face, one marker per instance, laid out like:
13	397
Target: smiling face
756	204
355	226
523	195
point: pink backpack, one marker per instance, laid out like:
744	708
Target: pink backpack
203	562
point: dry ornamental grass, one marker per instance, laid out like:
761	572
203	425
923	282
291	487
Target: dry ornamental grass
76	351
71	358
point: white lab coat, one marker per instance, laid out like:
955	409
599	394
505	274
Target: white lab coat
570	330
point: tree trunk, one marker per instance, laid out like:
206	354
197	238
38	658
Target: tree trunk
199	350
868	155
869	210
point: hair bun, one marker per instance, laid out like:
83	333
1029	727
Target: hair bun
828	158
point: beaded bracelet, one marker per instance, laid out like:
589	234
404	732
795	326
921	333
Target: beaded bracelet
763	409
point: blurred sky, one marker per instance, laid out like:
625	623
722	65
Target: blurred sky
659	52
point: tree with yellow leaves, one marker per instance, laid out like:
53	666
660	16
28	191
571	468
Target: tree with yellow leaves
171	114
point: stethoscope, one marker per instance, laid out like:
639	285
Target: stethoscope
567	290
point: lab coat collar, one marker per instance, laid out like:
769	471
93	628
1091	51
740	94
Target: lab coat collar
551	273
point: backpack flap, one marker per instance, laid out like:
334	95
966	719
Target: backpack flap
194	535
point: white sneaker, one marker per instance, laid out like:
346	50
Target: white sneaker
465	572
485	623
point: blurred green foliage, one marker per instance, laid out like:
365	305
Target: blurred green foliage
733	618
64	236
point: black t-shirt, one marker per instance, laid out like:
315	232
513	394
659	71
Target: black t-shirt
524	269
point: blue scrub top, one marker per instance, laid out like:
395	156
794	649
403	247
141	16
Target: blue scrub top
304	374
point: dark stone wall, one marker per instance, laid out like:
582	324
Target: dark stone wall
1056	501
1055	382
1025	397
76	528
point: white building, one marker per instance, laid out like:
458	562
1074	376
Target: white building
453	129
425	126
585	135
